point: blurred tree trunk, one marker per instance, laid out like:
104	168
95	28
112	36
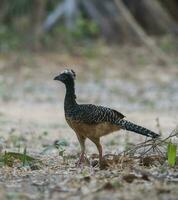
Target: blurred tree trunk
37	16
118	24
2	13
119	20
137	32
131	30
172	7
152	16
4	17
66	8
99	14
115	21
71	9
53	17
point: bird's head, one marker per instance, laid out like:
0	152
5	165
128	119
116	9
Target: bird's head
66	76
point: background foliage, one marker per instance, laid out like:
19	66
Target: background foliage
40	23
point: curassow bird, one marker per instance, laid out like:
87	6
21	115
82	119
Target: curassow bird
91	121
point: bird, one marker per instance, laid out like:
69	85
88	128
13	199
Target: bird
93	121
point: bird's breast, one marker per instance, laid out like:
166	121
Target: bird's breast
91	130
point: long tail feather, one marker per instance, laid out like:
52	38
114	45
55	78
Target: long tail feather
124	124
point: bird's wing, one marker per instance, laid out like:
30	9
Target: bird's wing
96	114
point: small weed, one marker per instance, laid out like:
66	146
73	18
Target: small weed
171	154
59	145
10	158
24	157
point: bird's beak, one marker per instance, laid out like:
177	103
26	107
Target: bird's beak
57	78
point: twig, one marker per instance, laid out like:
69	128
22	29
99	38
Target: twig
158	126
151	144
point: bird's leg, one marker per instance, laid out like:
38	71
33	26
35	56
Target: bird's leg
99	147
81	158
100	153
82	145
102	162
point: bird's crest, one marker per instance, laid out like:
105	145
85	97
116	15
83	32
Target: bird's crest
70	72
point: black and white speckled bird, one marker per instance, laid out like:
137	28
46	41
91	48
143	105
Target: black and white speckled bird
91	121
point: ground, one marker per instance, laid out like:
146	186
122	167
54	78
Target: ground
128	79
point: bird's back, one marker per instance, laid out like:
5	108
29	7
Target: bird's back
91	114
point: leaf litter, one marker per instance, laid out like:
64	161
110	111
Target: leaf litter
146	170
54	176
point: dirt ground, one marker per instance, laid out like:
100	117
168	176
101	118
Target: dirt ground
129	80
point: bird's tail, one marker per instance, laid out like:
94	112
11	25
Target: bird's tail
124	124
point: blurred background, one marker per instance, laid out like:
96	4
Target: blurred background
35	24
125	54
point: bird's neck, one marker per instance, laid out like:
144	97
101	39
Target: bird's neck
70	97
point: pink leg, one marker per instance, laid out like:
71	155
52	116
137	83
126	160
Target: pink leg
99	147
80	160
82	145
102	163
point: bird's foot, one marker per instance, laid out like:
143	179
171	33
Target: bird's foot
78	163
82	160
103	164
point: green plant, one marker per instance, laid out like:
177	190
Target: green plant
171	154
9	158
9	39
84	28
59	145
24	157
